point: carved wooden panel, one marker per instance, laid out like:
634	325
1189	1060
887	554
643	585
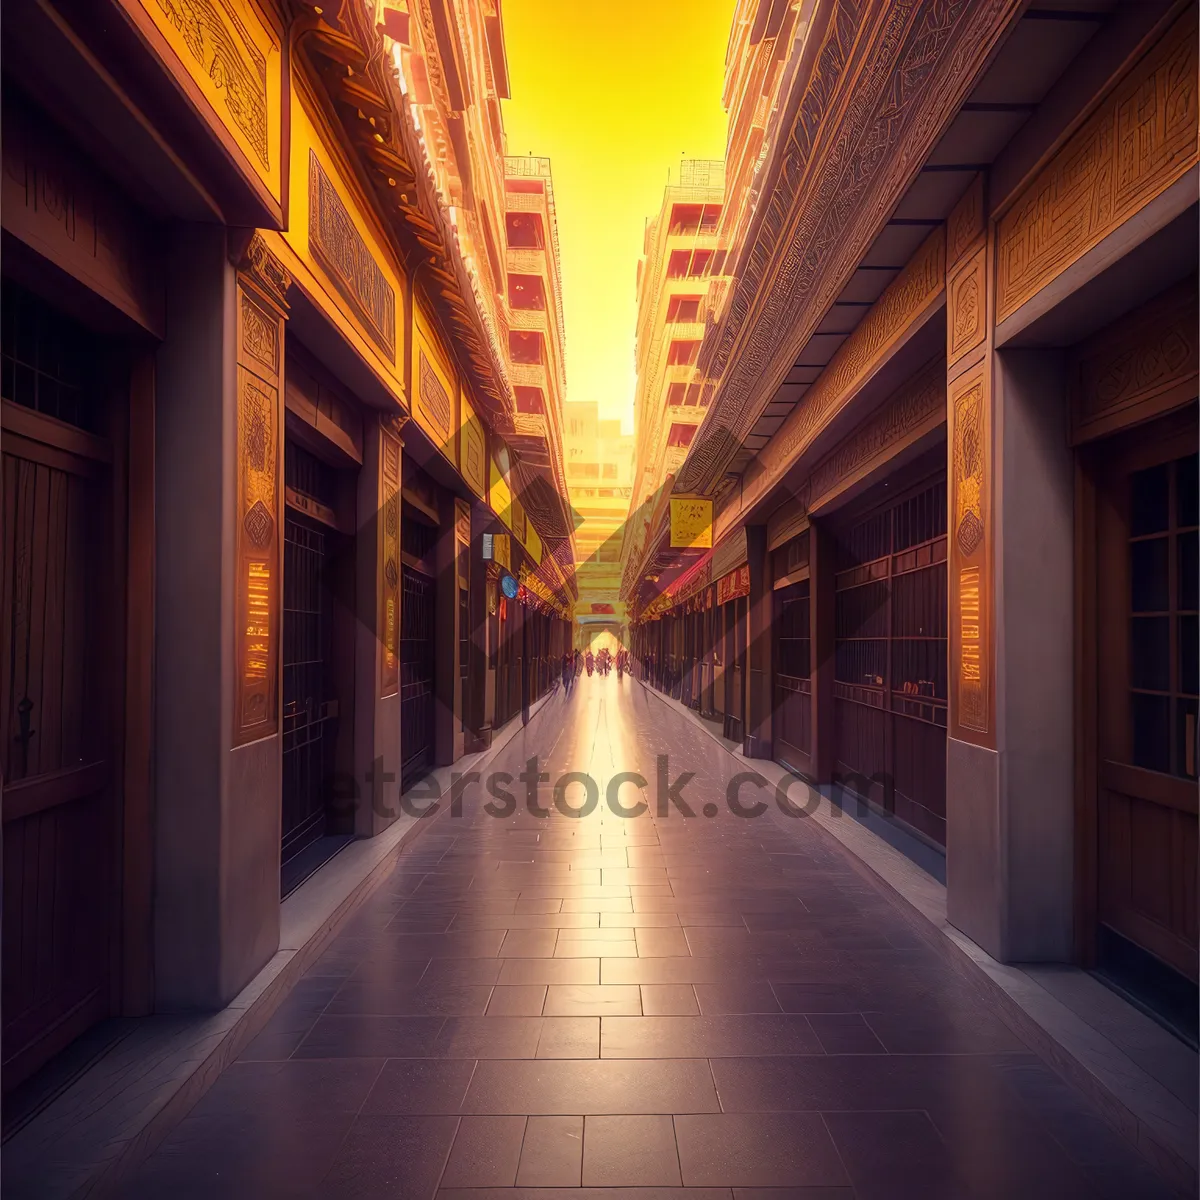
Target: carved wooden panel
1142	365
885	80
472	449
1139	142
432	398
259	445
786	522
228	62
904	302
916	408
970	556
346	258
389	575
966	307
965	224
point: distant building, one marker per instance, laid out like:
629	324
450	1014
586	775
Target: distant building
682	259
599	464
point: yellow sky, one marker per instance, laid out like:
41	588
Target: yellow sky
614	95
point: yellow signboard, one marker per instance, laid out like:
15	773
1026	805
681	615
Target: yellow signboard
691	523
500	496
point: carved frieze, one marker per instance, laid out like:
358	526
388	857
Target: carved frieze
472	449
220	45
432	396
970	581
1138	367
229	63
966	307
1139	142
346	258
904	303
917	407
886	78
965	224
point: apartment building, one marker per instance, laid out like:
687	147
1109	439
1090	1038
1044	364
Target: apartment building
682	261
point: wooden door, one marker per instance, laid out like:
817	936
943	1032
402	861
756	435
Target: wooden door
1147	657
792	709
58	696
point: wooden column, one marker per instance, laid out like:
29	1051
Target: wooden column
1010	527
756	741
219	510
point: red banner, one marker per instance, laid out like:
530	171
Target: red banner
733	585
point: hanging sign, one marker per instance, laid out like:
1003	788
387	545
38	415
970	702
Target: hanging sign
734	585
501	550
691	523
510	587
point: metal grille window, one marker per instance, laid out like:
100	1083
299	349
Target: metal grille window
793	668
416	676
307	712
47	360
417	539
890	674
308	475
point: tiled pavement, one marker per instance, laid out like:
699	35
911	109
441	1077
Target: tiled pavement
643	1008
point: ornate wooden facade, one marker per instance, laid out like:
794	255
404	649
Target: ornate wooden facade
1030	372
275	572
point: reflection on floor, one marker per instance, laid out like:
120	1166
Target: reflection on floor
698	1007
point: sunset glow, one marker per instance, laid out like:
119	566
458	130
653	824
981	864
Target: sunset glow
615	96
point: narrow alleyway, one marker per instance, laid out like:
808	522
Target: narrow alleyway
703	1007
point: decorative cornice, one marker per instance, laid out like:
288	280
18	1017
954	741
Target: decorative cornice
349	59
887	77
260	269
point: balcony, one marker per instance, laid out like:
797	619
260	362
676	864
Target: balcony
673	458
524	202
681	373
528	374
530	425
529	318
526	261
685	331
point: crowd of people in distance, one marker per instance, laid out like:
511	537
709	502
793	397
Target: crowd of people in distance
573	665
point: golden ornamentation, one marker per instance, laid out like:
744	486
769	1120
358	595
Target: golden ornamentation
969	469
389	583
222	47
347	259
1140	141
259	338
885	81
965	326
432	396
